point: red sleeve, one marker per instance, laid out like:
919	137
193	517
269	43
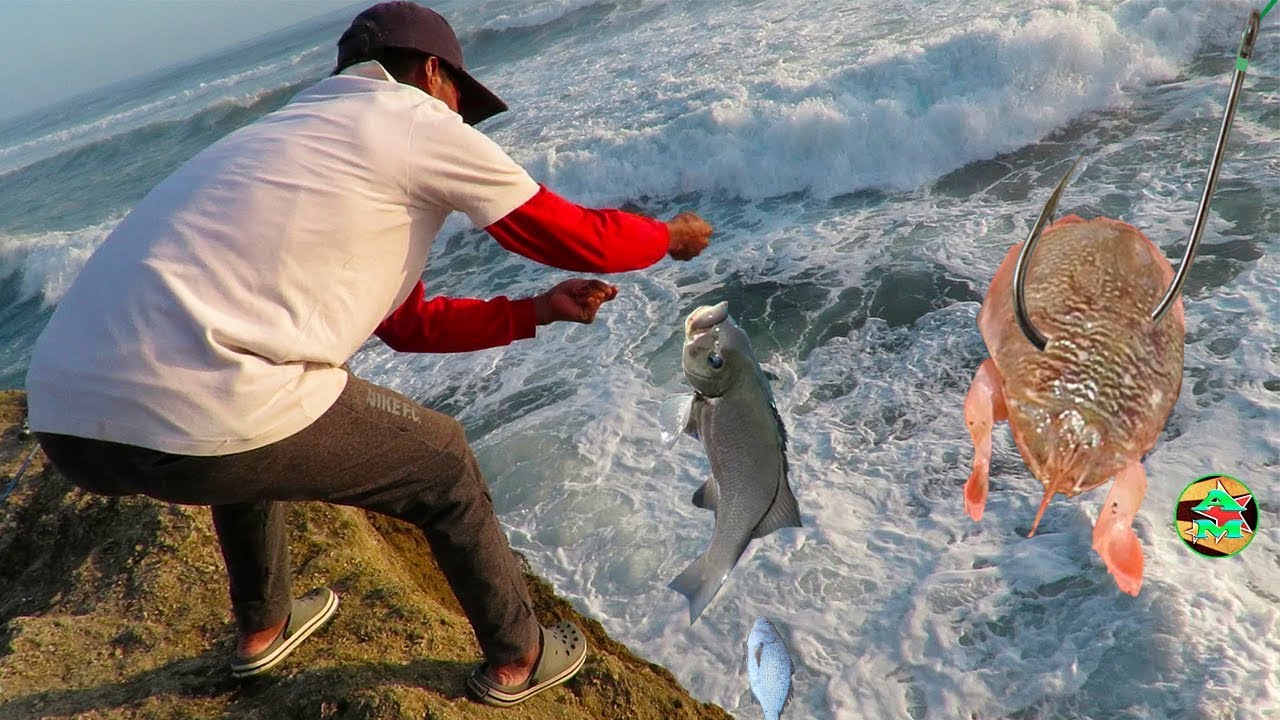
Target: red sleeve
553	231
443	325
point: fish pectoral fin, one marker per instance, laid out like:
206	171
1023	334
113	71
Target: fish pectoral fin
707	496
784	513
675	417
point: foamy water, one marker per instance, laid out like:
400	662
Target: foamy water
867	165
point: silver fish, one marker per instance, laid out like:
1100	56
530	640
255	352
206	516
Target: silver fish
732	413
768	668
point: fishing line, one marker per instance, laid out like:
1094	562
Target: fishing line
1247	41
4	494
1023	316
24	433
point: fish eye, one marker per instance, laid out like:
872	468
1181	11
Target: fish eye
715	361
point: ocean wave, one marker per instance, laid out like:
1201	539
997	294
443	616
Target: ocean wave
44	264
246	86
894	118
118	171
243	88
535	15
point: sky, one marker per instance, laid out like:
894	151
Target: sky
56	49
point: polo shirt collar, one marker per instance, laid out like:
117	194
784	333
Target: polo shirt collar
371	69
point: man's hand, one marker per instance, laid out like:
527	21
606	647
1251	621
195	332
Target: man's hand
690	235
574	300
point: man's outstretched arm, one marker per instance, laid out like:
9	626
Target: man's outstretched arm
444	325
454	166
553	231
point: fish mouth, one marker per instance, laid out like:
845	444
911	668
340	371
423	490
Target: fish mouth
705	318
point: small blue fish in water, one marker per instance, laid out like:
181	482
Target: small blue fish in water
768	668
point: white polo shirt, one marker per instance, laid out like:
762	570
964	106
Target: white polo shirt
215	318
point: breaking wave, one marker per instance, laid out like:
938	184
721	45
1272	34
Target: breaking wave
896	117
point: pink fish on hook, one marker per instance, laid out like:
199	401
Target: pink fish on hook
1087	407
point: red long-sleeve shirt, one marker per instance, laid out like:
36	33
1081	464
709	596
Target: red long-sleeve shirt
547	229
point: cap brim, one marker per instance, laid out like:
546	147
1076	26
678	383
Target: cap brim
477	102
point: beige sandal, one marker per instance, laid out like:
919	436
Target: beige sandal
309	612
564	650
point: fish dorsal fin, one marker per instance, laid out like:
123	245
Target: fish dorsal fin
765	376
783	513
782	434
707	496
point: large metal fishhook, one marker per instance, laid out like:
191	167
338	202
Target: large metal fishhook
1247	40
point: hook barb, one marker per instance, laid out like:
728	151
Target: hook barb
1024	260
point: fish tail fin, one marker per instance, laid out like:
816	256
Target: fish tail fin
699	583
1048	494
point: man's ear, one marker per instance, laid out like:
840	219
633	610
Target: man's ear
430	69
421	74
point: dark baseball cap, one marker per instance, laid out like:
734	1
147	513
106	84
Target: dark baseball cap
409	26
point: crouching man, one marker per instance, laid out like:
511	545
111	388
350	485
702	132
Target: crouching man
200	356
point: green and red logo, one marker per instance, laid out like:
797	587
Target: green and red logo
1217	516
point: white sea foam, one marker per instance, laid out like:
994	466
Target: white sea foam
48	262
532	14
896	603
773	99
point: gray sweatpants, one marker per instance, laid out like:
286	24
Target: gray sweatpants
374	449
